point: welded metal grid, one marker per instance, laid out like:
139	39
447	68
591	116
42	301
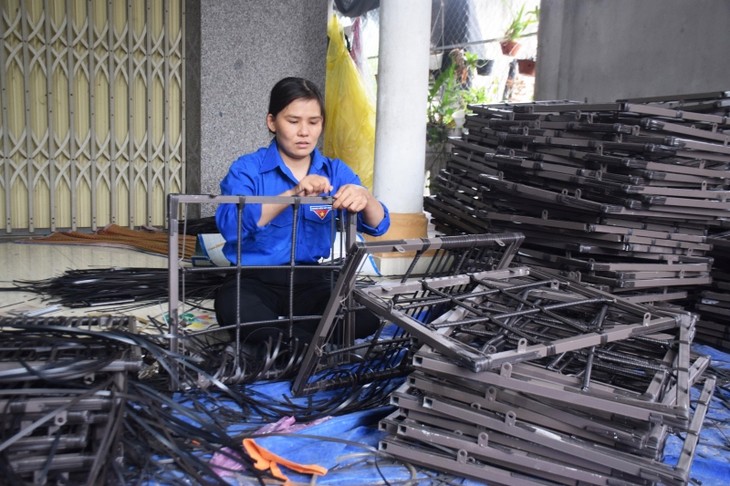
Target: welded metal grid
490	318
238	364
636	387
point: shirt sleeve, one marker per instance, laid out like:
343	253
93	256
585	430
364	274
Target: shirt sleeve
239	183
380	229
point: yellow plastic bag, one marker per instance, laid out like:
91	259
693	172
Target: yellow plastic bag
349	132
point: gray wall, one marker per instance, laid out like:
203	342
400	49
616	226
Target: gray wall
603	50
246	46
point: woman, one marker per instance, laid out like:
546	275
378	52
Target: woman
290	166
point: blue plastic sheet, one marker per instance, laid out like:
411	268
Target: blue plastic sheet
342	443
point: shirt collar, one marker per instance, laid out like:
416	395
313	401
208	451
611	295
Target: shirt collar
272	159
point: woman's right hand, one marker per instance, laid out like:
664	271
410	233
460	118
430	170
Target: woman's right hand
312	185
309	185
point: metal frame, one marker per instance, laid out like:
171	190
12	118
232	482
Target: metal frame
456	462
281	358
522	378
423	421
511	316
62	397
385	354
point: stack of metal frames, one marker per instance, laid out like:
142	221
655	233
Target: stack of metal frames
516	376
526	378
63	388
713	303
619	195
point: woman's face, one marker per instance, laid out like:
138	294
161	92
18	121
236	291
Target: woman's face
297	129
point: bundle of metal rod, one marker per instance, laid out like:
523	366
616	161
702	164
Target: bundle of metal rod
145	239
631	183
713	303
63	395
119	287
386	353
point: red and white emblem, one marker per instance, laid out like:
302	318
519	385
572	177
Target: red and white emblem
321	211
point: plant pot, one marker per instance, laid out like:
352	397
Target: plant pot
484	67
434	61
526	66
454	133
509	47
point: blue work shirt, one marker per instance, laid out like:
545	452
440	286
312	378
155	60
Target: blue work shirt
264	173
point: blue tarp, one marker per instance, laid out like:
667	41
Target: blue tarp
346	445
359	431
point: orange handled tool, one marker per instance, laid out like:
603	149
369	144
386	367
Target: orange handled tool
267	460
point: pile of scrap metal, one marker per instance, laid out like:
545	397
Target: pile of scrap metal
519	376
620	195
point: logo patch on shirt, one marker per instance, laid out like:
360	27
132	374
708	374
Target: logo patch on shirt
321	211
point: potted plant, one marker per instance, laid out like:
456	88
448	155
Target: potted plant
526	66
484	67
516	29
449	95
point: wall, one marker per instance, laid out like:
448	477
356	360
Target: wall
594	50
603	50
246	46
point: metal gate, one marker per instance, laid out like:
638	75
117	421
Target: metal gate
93	112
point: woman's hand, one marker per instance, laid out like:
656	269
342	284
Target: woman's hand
312	185
351	197
356	199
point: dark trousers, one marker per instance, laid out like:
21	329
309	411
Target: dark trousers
264	296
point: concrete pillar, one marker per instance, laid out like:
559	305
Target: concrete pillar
400	132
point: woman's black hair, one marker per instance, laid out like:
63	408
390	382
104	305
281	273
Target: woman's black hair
290	89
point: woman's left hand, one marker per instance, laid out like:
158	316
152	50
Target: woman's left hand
351	197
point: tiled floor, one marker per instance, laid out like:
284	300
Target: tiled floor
26	261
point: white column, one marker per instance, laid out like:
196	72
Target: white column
400	133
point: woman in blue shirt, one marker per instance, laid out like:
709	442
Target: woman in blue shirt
290	166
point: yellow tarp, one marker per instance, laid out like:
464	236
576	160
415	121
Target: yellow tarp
349	132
